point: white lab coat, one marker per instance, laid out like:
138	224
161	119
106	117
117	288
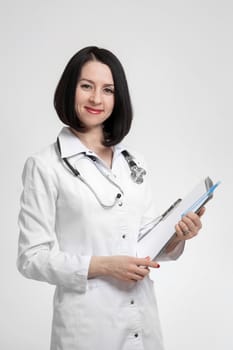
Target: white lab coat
62	225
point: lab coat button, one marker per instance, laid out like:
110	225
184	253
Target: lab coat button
132	302
123	236
136	335
120	204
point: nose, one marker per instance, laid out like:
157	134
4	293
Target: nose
95	97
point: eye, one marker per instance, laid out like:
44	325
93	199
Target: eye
108	91
86	86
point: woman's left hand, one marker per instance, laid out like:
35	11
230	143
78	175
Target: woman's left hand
189	226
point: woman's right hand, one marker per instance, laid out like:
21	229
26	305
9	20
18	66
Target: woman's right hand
121	267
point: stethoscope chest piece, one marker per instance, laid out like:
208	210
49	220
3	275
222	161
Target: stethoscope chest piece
137	174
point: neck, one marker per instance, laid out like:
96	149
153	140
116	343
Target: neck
92	138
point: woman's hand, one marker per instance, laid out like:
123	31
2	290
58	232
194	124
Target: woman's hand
124	268
189	226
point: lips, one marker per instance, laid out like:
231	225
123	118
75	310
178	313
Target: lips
93	110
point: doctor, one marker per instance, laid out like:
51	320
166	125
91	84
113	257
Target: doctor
81	213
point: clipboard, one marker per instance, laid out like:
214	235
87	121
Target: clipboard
154	238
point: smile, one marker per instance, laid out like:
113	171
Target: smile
93	110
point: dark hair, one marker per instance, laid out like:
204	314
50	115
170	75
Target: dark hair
119	122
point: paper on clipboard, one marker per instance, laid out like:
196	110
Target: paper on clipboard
155	239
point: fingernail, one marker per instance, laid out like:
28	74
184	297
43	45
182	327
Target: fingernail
158	265
147	257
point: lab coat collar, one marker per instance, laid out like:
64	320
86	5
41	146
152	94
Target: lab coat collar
71	145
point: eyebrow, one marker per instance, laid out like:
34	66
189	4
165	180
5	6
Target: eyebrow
92	82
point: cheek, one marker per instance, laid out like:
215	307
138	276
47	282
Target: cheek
76	99
79	97
111	104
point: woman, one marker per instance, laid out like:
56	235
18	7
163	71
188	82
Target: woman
81	214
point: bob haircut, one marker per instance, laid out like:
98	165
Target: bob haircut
119	122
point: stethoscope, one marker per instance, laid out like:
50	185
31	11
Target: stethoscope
137	174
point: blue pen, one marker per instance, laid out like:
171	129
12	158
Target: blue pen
202	200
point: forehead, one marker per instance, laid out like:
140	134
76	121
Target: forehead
97	72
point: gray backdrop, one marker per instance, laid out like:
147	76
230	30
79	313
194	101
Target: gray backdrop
178	58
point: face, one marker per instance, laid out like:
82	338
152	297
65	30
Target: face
94	97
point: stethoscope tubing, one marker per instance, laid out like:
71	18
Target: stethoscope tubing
105	206
132	165
91	159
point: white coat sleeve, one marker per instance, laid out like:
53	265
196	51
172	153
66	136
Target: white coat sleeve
149	216
39	256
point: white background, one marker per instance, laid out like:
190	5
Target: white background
178	58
